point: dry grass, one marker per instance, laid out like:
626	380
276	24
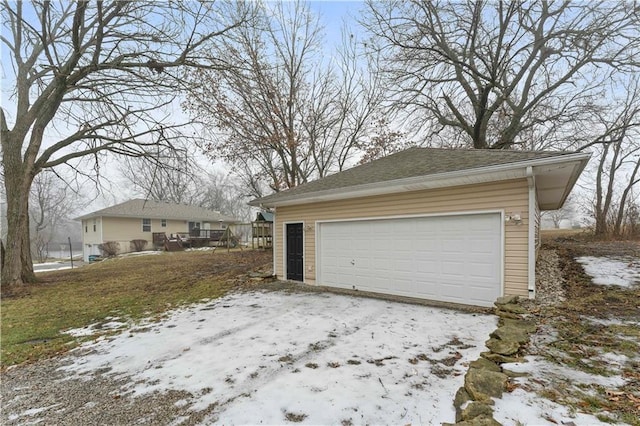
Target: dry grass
580	340
130	288
547	234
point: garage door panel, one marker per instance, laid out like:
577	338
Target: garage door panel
480	270
449	258
430	266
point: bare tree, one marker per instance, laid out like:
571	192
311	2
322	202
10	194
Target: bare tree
382	141
616	126
172	176
281	115
491	74
566	212
221	192
182	180
89	79
51	203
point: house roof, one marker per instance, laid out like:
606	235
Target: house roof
425	168
140	208
264	217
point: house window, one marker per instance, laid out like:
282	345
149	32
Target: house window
86	229
94	225
193	225
163	223
146	225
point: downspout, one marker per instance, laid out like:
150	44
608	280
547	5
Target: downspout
85	255
101	230
531	284
273	244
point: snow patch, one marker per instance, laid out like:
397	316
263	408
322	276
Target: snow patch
139	253
261	357
540	368
97	327
522	407
32	412
620	271
608	322
52	269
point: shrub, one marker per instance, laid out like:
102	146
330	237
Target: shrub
138	245
109	248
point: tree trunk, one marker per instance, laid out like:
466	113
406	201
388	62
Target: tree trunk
18	266
601	208
622	208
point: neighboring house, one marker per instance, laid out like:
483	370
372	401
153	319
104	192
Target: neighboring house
456	226
140	219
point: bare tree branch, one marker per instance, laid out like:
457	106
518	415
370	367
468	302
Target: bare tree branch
495	72
280	114
92	78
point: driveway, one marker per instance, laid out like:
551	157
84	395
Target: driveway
278	357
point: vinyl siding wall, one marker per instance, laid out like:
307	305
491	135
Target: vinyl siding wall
123	230
509	196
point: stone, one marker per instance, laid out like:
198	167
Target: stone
500	359
513	308
461	397
480	421
502	347
482	384
506	300
505	314
510	333
485	364
515	374
475	409
526	325
263	275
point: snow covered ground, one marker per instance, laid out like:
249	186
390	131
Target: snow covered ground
52	269
140	253
527	407
620	271
274	358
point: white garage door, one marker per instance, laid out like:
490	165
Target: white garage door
447	258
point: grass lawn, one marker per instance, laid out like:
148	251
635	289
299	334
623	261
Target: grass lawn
129	288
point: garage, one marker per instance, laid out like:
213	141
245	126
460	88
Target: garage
455	258
449	225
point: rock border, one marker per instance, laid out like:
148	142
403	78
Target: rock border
486	379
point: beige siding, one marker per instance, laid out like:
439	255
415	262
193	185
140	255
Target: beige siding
510	196
123	230
91	231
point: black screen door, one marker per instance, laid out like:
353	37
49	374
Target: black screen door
295	252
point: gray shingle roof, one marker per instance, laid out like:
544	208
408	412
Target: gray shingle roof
141	208
413	162
264	217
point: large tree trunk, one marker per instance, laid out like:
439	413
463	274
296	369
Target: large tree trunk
18	266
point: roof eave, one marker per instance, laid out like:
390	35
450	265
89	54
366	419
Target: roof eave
571	178
487	174
154	216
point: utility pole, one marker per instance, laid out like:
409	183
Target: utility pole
70	252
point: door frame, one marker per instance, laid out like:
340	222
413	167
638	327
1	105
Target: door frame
500	212
284	248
